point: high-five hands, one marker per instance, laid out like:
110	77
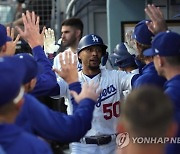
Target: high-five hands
11	45
89	90
31	31
158	23
49	42
68	71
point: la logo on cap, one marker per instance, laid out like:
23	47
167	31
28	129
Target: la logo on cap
156	51
94	38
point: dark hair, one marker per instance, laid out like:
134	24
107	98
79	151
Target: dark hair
1	48
173	60
148	112
142	47
74	22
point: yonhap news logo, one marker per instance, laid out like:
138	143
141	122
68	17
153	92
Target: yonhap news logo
123	139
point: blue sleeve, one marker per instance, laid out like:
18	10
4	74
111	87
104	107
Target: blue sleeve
149	79
46	80
22	119
56	125
134	78
75	86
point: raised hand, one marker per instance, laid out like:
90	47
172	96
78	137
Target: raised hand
68	71
130	43
11	45
31	31
88	91
49	42
158	23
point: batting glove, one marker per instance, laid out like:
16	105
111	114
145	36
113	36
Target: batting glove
49	42
130	44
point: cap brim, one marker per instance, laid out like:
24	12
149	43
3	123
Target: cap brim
149	52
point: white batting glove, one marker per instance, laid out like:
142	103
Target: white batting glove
130	44
49	42
131	50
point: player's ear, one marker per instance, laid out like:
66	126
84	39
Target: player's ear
78	33
159	60
79	56
33	82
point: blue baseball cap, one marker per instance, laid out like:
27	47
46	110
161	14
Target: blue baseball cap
3	35
12	73
164	44
142	34
32	68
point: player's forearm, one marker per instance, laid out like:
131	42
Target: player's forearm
80	121
41	58
58	126
46	80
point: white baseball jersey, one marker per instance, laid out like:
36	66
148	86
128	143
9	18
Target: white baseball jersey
126	92
107	109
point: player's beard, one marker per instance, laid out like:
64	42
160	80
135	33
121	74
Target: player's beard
69	43
94	67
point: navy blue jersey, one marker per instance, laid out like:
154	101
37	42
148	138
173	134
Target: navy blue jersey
172	89
46	80
15	140
149	76
36	117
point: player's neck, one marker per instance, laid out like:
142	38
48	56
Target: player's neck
172	72
87	71
74	47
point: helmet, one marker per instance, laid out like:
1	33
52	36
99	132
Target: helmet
121	57
91	40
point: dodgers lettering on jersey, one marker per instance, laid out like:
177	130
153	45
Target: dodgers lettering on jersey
107	109
105	94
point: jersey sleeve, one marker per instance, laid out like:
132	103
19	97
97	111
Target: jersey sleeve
125	80
56	125
46	80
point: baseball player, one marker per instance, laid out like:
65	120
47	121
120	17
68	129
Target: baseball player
143	37
148	119
8	44
123	59
125	62
165	49
14	139
72	31
101	137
